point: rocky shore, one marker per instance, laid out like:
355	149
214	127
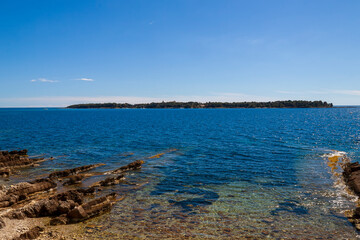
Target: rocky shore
37	209
349	173
351	176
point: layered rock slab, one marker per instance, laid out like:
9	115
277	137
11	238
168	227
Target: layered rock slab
74	171
20	191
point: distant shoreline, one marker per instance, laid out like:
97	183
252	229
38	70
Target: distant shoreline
198	105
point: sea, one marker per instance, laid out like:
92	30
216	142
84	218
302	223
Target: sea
208	173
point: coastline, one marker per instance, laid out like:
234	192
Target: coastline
55	206
207	105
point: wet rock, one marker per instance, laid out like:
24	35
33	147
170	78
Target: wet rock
74	171
15	159
130	167
31	234
21	152
92	208
110	181
76	179
351	176
156	156
354	217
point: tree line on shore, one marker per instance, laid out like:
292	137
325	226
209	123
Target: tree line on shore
174	104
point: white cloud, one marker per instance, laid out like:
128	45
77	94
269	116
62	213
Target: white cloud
233	97
85	79
43	80
304	92
348	92
325	92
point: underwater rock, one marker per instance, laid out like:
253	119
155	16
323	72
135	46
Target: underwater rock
92	208
130	167
31	234
354	217
74	171
156	156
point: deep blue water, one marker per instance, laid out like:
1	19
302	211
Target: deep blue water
226	159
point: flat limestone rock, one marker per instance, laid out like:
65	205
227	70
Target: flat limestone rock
73	171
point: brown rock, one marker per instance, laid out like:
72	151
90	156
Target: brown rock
76	179
110	181
5	172
61	220
16	159
77	214
52	206
20	191
92	208
351	176
2	223
66	206
31	234
21	152
130	167
74	171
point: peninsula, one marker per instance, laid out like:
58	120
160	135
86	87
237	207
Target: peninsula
174	104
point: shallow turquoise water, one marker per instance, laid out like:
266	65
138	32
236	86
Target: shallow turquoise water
236	173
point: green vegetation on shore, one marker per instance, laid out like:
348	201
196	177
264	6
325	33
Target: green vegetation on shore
174	104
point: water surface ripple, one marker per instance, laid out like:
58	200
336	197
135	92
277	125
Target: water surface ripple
236	173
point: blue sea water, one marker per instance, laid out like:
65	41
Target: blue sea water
224	174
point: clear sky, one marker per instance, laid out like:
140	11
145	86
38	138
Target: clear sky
59	52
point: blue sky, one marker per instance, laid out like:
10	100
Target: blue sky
59	52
